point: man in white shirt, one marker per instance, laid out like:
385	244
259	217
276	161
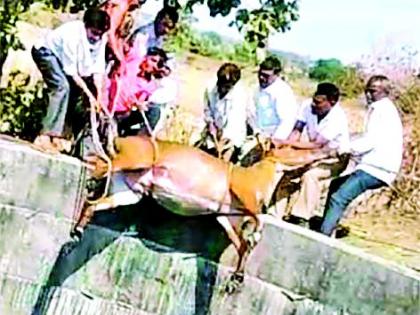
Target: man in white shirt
154	33
378	151
225	110
274	113
68	58
326	126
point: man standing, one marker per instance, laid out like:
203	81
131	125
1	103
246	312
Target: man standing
225	109
154	33
275	109
326	126
378	152
68	58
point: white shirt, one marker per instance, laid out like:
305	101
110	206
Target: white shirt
274	111
333	127
145	37
166	92
381	147
70	45
229	113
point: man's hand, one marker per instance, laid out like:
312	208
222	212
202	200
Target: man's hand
142	106
277	143
97	166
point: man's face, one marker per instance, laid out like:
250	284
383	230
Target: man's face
266	77
320	105
93	34
164	26
374	91
223	87
152	64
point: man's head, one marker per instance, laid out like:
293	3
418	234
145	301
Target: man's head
154	60
97	22
325	97
269	70
377	88
227	76
165	21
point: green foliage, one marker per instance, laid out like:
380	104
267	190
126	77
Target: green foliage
326	70
41	15
22	107
347	78
209	44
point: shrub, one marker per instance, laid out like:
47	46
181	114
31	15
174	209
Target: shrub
22	107
347	78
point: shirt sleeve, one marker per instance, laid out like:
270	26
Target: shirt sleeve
99	63
366	142
69	57
251	113
302	111
287	110
208	117
165	93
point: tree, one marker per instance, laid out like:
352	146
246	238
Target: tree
256	25
326	70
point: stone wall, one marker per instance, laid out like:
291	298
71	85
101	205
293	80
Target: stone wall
144	260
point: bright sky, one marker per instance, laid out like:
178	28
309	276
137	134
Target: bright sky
345	29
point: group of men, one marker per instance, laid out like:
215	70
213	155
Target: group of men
319	123
85	59
73	61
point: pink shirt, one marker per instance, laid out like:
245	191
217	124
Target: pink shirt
133	88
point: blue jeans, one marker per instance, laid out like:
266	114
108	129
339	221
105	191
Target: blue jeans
63	95
126	122
341	192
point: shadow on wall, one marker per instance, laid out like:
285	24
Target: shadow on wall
159	230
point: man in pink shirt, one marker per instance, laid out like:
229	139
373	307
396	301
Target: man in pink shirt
130	93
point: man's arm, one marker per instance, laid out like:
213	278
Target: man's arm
287	109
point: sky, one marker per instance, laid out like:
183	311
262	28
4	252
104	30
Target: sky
343	29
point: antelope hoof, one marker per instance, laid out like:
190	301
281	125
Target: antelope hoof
235	281
77	233
253	239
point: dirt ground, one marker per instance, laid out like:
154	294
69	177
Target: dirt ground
386	232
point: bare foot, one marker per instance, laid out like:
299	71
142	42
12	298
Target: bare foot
61	144
43	143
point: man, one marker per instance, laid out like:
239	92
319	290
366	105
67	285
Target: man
378	152
135	91
68	58
275	104
154	33
326	126
225	114
151	35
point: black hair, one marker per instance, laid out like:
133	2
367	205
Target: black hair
330	90
272	63
228	73
98	19
156	51
170	12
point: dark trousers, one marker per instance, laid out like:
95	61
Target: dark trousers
341	192
65	113
133	123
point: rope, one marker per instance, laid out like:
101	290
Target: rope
152	138
99	149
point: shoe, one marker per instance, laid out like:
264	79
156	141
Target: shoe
297	221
